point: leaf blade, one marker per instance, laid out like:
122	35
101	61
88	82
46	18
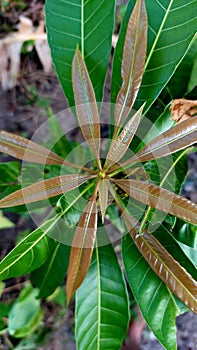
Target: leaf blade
119	147
108	315
133	61
44	189
26	150
82	248
160	199
103	197
88	24
180	136
86	106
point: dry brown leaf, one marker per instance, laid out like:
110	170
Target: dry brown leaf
10	51
182	109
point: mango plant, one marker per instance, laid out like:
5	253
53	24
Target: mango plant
123	181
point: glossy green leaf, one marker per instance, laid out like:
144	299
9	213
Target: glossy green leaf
29	254
160	198
102	313
82	248
43	190
26	314
153	297
169	36
88	24
179	84
86	106
51	274
193	80
119	147
26	150
179	137
5	222
133	62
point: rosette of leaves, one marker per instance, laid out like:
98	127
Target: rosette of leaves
157	268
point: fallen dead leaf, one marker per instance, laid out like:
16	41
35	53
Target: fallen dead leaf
182	109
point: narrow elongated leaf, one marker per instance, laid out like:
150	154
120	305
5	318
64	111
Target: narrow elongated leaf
180	136
179	281
153	297
119	147
133	61
169	36
24	149
44	189
51	274
88	24
103	197
82	248
87	110
102	313
160	198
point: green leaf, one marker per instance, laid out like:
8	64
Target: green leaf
86	106
10	172
133	62
51	274
25	315
193	80
102	304
5	222
21	259
88	24
180	82
153	297
169	36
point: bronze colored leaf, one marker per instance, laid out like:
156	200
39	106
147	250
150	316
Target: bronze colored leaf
180	136
178	280
182	109
160	199
82	248
24	149
133	62
44	189
119	147
103	197
86	106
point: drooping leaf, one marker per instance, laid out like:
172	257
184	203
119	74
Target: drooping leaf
179	137
155	300
88	24
51	274
103	197
160	198
133	61
26	150
26	314
82	248
44	189
119	147
86	106
169	36
102	313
